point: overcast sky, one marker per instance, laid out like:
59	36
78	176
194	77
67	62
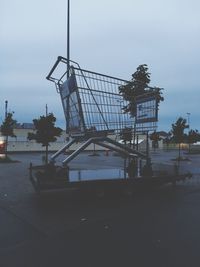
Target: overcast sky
107	36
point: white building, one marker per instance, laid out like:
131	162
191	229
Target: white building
20	142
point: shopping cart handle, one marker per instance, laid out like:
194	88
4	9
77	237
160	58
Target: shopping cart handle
53	68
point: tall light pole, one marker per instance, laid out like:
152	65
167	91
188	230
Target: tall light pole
188	120
68	37
6	109
46	109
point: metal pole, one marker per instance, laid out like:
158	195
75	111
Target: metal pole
137	145
120	126
134	134
68	37
147	146
188	114
46	110
6	109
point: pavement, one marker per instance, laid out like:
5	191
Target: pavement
160	227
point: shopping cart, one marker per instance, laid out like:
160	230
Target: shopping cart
93	108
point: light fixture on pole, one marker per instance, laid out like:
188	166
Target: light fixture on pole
188	120
6	109
46	108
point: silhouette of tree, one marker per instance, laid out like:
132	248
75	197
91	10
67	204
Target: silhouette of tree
7	128
178	135
193	137
138	86
155	137
46	132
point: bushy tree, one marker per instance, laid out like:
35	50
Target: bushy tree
7	129
46	132
178	134
138	86
193	137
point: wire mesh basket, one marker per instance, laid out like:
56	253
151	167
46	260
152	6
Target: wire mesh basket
92	102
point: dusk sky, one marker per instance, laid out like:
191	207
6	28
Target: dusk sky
107	36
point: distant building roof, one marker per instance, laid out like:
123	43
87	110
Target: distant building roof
25	125
28	125
18	126
163	134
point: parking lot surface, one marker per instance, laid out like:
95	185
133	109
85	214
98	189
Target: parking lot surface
160	227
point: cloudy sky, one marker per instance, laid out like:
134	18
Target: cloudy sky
107	36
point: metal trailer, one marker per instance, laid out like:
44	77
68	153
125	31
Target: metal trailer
44	180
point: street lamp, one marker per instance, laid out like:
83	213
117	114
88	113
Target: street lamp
188	120
6	109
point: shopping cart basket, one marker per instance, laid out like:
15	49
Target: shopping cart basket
92	105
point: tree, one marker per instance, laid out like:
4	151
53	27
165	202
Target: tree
138	86
126	135
193	137
178	135
7	129
155	137
46	131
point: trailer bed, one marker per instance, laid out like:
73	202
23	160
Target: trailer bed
104	179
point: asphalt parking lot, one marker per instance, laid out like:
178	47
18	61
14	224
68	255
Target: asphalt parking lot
156	228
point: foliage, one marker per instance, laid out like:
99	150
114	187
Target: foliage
155	137
178	128
138	86
126	134
8	125
46	131
7	129
193	136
